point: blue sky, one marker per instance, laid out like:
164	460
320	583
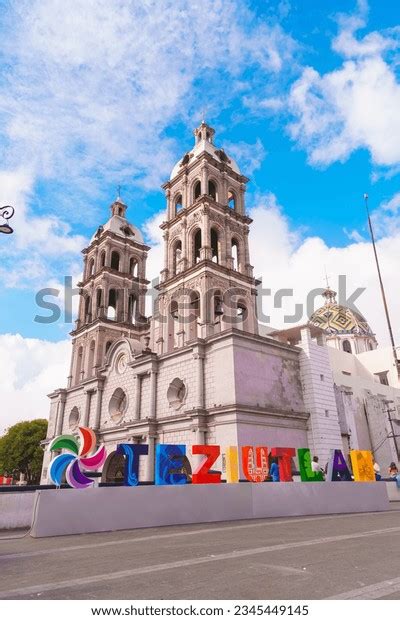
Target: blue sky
305	95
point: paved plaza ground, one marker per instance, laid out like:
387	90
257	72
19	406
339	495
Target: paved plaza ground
340	556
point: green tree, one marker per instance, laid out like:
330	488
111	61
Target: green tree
20	450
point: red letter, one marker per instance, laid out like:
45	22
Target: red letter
255	471
285	462
202	475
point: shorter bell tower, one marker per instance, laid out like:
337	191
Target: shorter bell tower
112	294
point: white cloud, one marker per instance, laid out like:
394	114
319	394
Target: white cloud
25	254
248	156
29	370
92	84
354	106
90	87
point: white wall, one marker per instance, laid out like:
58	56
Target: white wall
16	510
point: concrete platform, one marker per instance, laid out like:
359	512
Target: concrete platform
65	512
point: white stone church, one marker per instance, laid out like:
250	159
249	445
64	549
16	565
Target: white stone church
201	369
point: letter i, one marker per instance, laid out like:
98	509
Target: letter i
232	464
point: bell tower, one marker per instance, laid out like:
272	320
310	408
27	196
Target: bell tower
112	294
207	283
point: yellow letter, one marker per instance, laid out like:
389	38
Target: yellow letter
232	464
363	466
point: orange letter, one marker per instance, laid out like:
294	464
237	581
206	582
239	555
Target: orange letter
255	472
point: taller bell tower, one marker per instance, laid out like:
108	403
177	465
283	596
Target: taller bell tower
207	283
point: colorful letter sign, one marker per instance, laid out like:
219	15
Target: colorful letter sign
363	465
284	456
337	468
76	459
255	468
306	472
232	464
132	451
202	475
169	464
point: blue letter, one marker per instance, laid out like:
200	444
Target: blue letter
132	451
169	464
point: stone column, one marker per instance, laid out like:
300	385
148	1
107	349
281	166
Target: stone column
184	256
185	192
151	440
169	204
99	401
60	413
198	356
226	258
241	201
205	251
136	413
204	179
86	417
245	266
153	390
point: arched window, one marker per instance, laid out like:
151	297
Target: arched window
108	345
196	190
196	246
212	190
241	314
91	268
78	367
112	305
73	419
132	309
91	358
102	259
178	203
115	260
214	246
218	306
347	346
231	199
87	309
176	256
117	405
133	267
194	314
173	310
99	295
235	254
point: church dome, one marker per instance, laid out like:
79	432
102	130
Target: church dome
337	319
204	143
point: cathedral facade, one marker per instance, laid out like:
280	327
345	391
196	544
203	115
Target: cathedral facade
198	370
